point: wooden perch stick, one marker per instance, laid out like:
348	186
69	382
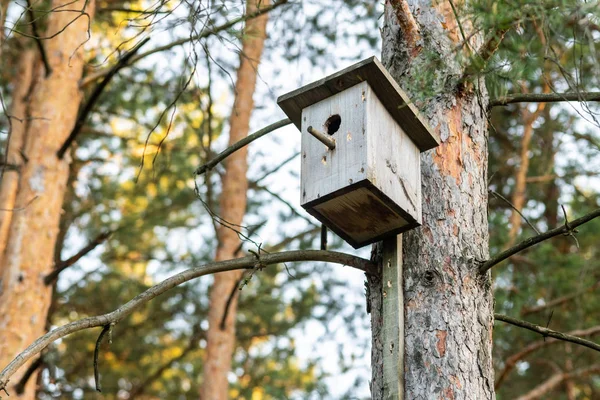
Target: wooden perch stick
176	280
321	137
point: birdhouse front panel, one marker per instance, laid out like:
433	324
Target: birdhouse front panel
368	185
361	141
343	117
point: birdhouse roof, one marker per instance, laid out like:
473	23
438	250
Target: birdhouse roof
385	87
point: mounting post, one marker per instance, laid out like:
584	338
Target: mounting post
393	319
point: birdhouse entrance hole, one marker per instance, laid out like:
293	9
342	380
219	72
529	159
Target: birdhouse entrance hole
332	125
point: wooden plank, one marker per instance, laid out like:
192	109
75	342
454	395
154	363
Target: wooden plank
393	320
389	92
325	171
392	158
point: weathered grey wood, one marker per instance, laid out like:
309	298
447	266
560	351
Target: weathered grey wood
368	186
395	100
322	137
393	319
323	170
392	158
359	216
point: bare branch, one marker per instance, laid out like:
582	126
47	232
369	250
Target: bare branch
277	168
559	300
238	145
546	332
511	361
555	380
544	98
566	229
498	195
210	32
51	277
20	386
174	281
104	331
89	105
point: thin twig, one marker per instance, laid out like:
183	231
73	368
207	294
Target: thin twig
460	27
498	195
559	301
89	105
105	330
569	231
547	332
238	145
537	239
323	237
36	38
20	386
20	208
512	361
234	288
143	298
544	98
51	277
99	74
277	168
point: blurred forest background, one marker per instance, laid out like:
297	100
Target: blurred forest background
135	213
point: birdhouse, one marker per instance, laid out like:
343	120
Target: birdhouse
361	140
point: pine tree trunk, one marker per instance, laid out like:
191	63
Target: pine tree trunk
519	197
221	339
29	253
9	184
448	305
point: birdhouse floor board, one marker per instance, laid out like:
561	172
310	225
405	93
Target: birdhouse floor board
360	214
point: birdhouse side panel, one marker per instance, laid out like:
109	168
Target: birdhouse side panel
343	117
393	159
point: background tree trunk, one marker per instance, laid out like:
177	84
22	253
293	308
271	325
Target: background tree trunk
221	342
9	184
3	10
448	306
29	254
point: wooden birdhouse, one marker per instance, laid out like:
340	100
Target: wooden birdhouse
361	140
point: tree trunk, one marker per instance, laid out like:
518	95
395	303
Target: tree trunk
519	194
221	342
29	254
14	161
448	305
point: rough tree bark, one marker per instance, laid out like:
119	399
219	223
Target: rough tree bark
29	254
448	305
221	342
